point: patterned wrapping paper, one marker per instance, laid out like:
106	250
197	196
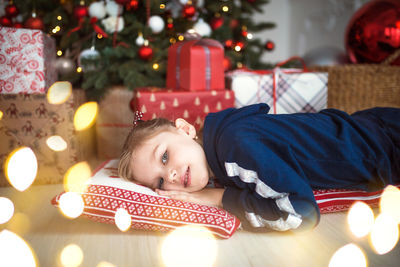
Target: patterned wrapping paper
196	65
28	120
284	90
27	59
172	104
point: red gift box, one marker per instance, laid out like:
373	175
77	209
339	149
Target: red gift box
27	58
196	65
172	104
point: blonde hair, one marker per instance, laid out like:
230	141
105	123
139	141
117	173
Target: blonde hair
143	131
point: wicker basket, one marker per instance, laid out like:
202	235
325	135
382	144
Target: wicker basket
355	87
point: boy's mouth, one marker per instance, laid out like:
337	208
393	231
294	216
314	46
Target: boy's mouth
186	178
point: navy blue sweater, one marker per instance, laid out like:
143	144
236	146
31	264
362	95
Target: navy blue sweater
269	164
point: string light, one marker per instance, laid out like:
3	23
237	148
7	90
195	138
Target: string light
78	69
156	66
225	8
172	40
99	36
59	17
181	37
162	6
59	53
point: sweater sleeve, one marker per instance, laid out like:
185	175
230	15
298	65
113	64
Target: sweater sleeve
266	192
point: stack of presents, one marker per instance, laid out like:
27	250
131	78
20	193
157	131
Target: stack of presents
196	85
26	118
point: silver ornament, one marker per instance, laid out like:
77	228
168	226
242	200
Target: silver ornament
64	65
88	59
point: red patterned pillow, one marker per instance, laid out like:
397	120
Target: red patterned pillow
107	192
335	200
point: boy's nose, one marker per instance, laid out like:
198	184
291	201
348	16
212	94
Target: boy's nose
172	176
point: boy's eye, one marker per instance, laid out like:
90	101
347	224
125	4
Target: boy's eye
164	158
160	183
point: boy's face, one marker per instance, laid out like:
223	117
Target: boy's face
171	160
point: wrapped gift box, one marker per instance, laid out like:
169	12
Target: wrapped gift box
284	90
114	122
172	104
28	120
196	65
27	58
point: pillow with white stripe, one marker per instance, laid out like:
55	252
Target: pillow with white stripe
336	200
107	192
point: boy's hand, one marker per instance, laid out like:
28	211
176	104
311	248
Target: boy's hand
206	196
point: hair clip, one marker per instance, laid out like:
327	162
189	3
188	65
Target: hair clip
138	117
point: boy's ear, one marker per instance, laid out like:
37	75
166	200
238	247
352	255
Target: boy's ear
186	127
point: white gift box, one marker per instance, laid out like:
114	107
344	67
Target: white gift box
284	90
27	60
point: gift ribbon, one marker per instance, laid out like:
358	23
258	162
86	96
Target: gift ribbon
93	22
204	43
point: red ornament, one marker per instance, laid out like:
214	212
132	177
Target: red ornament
373	32
188	11
244	33
132	5
216	22
227	63
12	11
228	43
34	23
170	26
5	21
269	45
80	12
145	52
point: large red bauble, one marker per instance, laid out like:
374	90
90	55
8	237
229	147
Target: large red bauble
80	12
5	21
145	52
11	11
373	32
34	23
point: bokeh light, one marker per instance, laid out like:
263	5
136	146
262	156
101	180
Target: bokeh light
21	168
349	255
122	219
85	115
189	246
360	219
1	114
6	210
71	204
56	143
14	251
384	234
71	256
76	177
59	92
390	202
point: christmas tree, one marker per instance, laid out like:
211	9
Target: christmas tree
105	43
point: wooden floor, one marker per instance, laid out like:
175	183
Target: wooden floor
48	232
